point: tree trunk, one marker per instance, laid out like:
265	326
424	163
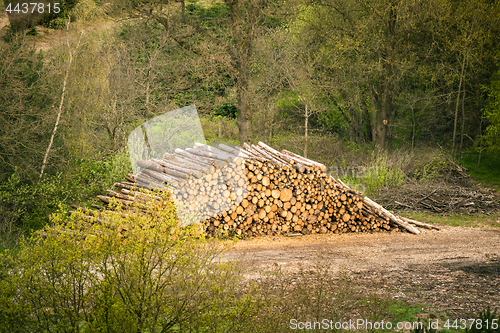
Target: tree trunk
367	121
381	111
306	133
243	119
463	124
456	110
63	93
413	128
240	58
382	121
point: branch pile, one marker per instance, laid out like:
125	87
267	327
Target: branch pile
443	198
257	190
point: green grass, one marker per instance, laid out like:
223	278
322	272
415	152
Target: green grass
462	220
488	172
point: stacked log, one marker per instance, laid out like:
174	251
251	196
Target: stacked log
257	190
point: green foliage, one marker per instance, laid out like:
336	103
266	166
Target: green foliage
27	204
228	110
26	103
59	20
79	276
57	23
229	129
90	177
431	170
488	172
492	135
87	11
381	171
463	220
485	316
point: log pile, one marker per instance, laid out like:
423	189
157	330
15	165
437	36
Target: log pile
257	190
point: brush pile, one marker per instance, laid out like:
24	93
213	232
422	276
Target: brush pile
442	198
257	190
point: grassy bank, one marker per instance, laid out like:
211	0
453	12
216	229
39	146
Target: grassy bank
459	220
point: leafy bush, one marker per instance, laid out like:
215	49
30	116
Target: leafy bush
382	171
26	205
29	204
87	10
132	272
57	23
431	170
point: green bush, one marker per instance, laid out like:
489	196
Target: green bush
382	171
431	170
26	205
29	204
57	23
132	272
87	10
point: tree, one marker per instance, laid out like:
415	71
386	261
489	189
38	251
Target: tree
268	77
223	33
26	101
300	77
71	54
374	52
492	133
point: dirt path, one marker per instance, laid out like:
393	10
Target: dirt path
455	270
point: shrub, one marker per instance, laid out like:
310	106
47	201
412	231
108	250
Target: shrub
131	272
26	204
87	10
382	171
432	169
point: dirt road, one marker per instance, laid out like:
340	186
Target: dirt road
455	270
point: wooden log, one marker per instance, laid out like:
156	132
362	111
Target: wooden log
108	200
120	196
237	151
223	157
304	160
392	217
286	194
163	167
125	185
196	157
161	177
188	164
193	159
262	152
215	150
274	153
146	181
168	167
419	224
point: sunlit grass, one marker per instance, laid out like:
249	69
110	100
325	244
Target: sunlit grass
488	172
462	220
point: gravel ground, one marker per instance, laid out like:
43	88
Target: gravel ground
455	271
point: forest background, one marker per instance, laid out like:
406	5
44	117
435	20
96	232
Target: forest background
405	86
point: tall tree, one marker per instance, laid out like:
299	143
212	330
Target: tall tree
26	115
376	51
224	32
